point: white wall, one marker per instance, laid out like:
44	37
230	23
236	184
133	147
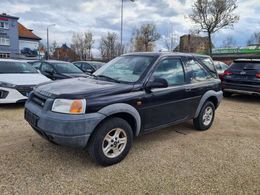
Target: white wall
33	45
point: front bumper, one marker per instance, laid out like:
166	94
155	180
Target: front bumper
241	88
63	129
11	95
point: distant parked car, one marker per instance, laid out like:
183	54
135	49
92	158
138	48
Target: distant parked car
207	61
88	66
56	70
221	67
17	80
242	77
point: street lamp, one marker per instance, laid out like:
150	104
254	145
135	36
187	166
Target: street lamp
48	40
122	18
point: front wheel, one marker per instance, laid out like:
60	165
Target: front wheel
111	142
206	117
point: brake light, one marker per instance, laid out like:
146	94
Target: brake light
227	73
258	75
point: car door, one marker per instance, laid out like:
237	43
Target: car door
201	80
171	104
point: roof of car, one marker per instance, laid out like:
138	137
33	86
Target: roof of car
10	60
165	54
88	61
247	60
53	61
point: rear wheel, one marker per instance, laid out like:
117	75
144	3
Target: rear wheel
111	142
227	94
206	117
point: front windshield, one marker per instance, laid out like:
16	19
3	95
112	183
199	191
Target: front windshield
126	68
16	68
66	68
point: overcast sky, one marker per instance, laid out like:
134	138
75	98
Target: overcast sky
101	16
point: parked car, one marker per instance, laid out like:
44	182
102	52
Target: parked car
242	77
221	67
88	66
129	96
17	80
56	70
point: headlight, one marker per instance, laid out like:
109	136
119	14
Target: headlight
7	85
69	106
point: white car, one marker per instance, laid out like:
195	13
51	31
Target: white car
17	80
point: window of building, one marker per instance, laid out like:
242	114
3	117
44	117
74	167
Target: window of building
4	41
171	70
4	55
4	25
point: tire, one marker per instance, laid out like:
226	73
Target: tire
202	124
106	152
227	94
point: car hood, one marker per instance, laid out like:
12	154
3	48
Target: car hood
23	79
81	88
73	75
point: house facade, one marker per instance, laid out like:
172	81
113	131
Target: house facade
17	41
9	39
28	42
193	44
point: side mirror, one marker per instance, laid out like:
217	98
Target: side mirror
157	83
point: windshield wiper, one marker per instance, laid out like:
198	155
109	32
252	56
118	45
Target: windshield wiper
106	77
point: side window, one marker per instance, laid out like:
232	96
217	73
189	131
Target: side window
171	70
197	72
36	65
87	67
47	68
78	65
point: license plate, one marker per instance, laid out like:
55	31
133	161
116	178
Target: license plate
31	118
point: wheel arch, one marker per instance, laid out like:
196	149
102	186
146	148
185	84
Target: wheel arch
213	96
124	111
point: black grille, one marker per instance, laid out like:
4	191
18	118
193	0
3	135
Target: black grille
3	94
38	100
25	90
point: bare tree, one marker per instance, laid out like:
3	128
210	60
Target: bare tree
254	39
170	41
78	44
144	37
53	47
213	15
229	42
89	42
110	46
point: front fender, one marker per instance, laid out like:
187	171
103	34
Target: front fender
123	108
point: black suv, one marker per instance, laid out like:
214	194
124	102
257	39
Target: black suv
242	77
131	95
57	70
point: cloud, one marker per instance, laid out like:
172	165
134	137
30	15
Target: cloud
100	16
